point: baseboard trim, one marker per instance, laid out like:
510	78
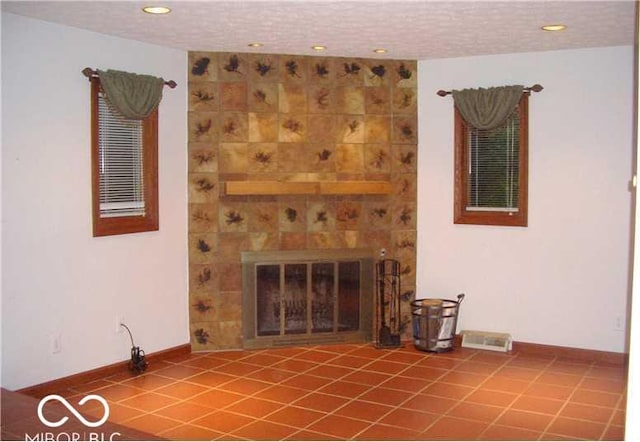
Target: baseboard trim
543	350
57	385
580	354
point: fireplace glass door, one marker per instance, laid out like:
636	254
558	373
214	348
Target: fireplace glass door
307	298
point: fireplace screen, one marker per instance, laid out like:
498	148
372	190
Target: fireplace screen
326	300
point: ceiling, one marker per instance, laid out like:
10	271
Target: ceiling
420	30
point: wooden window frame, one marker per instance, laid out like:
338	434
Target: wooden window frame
105	226
495	218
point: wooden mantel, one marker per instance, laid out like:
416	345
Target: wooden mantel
308	188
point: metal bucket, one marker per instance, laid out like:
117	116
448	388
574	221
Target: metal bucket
434	323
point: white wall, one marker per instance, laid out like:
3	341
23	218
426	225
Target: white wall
563	280
57	278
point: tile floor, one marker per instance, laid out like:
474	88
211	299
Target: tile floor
357	392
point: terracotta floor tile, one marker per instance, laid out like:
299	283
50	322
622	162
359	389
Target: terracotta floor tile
587	412
150	423
245	386
216	399
502	383
295	365
387	367
118	392
118	413
447	390
179	372
423	372
310	435
555	378
477	412
321	402
282	394
591	397
386	432
429	404
498	432
520	373
263	359
409	419
307	382
181	390
614	432
237	368
366	377
436	361
537	404
254	407
452	428
223	421
524	419
577	428
272	375
339	426
404	383
494	358
350	361
349	390
476	367
367	411
316	356
295	416
190	432
205	363
603	384
549	391
184	411
262	430
355	391
148	402
491	397
385	396
402	357
211	379
329	371
460	378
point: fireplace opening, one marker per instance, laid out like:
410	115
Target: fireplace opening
298	297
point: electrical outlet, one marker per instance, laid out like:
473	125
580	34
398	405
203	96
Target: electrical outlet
619	325
119	320
56	343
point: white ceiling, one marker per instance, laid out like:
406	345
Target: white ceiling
409	29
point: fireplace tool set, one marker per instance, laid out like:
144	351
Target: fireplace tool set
388	303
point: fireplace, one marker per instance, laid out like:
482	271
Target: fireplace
307	297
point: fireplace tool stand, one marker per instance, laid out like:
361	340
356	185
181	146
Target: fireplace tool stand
388	304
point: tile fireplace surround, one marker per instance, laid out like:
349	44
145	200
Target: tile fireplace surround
321	155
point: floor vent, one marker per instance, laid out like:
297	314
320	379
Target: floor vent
486	340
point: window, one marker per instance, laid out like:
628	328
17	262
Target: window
124	169
491	170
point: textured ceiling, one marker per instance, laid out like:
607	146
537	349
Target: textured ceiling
408	29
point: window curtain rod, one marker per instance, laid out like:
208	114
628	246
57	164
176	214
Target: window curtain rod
89	73
534	88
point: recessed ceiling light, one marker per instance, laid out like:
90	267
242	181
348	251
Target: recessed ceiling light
255	45
318	47
156	9
557	27
380	51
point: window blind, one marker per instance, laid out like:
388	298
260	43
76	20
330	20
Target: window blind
121	164
493	170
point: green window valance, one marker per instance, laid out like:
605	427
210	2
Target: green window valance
133	95
487	108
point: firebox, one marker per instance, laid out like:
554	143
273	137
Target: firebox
307	297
